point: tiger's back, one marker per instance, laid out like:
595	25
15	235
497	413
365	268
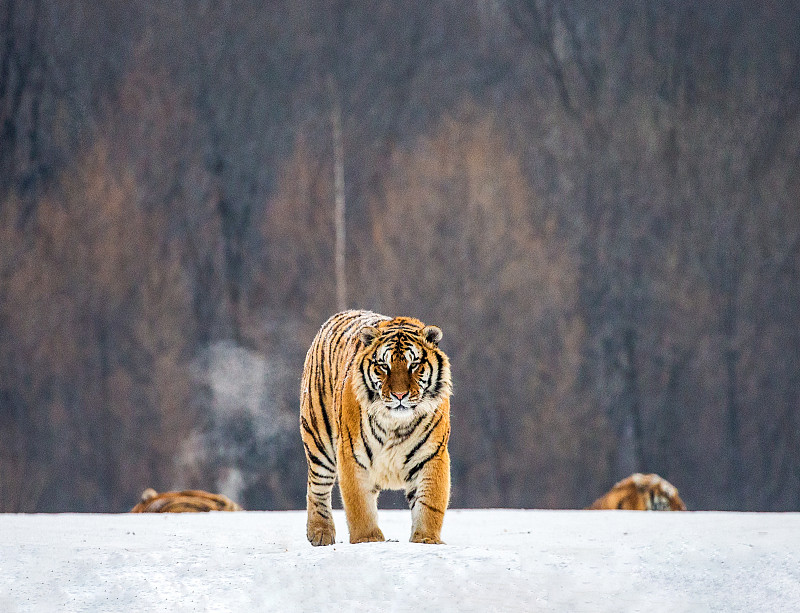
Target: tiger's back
186	501
331	350
374	414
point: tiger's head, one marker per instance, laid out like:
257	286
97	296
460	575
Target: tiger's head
402	371
641	492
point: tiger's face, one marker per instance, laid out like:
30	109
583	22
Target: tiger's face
401	366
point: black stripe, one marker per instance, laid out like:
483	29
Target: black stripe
317	352
424	380
352	323
438	386
334	343
406	431
317	442
325	419
316	460
353	449
313	415
434	509
325	383
326	482
314	425
326	348
320	384
367	381
337	328
366	446
373	426
320	476
422	441
322	511
182	504
417	467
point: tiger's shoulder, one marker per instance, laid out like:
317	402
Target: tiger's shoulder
342	329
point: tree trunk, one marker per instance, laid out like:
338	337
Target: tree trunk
339	198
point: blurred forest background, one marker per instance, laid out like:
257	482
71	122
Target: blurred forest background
596	201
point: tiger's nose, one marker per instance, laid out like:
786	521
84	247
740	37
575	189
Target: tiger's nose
399	395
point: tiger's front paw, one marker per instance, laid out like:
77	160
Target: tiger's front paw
321	533
426	539
373	536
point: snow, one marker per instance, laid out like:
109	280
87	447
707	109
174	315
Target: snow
495	560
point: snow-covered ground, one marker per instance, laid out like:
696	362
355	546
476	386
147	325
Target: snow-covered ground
495	560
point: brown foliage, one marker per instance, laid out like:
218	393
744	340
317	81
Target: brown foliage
598	205
97	307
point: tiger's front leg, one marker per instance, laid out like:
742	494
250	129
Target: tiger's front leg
428	498
359	497
360	502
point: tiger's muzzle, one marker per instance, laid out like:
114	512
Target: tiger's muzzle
399	401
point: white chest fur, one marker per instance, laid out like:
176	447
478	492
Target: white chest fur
394	443
387	467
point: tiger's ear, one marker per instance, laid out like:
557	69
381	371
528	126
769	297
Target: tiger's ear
432	334
368	334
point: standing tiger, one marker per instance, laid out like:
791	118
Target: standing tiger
375	413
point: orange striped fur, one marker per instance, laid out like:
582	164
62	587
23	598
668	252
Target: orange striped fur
375	414
641	493
187	501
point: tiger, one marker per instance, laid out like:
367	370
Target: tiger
641	493
375	415
187	501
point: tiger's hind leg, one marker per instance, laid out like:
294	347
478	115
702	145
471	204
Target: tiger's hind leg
320	529
318	431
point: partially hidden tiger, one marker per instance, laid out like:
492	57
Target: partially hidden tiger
375	415
185	501
641	492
